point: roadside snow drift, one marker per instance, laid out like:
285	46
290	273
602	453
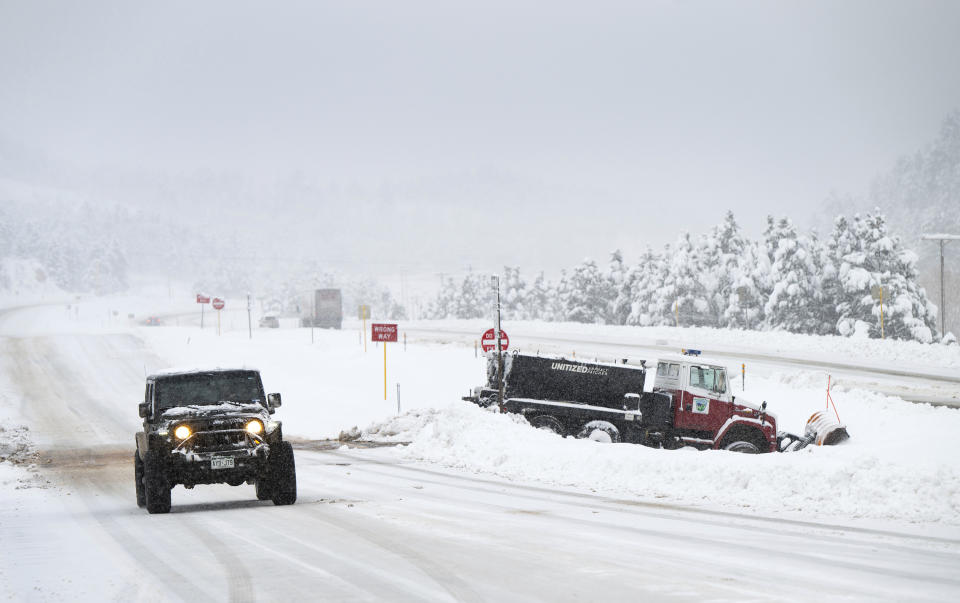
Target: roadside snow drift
891	469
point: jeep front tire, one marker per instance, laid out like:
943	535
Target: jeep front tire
156	488
283	474
138	480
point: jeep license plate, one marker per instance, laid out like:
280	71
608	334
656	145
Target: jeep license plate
221	462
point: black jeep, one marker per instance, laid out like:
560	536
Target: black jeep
211	427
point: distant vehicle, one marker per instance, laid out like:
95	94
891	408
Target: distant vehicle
270	321
327	310
210	427
152	321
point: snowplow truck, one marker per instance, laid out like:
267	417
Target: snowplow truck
690	403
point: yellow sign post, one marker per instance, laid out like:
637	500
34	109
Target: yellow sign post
364	312
384	333
877	292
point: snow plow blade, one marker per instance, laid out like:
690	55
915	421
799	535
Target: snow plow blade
825	430
821	430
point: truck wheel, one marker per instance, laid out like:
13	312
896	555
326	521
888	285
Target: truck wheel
156	488
742	446
548	423
600	431
263	489
138	480
283	474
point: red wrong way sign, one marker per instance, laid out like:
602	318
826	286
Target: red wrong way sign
217	303
202	299
489	340
383	332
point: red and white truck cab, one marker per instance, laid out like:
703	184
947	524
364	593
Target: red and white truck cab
705	413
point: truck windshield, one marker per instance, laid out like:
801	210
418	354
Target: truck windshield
708	378
208	388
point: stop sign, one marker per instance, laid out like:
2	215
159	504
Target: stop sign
489	340
217	303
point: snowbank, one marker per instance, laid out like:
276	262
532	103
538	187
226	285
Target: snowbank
890	469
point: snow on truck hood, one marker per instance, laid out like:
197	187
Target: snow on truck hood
203	410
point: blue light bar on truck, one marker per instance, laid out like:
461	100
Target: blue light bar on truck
686	352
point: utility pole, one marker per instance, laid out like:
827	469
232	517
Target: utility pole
249	320
495	281
942	238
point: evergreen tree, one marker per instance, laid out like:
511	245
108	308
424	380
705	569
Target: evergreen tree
626	294
616	274
538	298
748	284
588	299
793	302
646	305
514	294
683	283
559	298
879	261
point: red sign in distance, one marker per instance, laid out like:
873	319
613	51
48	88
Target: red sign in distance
383	332
489	340
202	299
217	303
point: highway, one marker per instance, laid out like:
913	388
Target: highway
368	527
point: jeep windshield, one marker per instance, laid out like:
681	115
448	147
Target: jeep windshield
208	388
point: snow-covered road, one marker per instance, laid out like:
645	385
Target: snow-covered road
368	526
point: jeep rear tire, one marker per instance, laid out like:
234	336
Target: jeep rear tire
600	431
138	480
283	474
548	423
156	488
262	487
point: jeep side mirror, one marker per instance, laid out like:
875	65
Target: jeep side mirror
144	408
273	400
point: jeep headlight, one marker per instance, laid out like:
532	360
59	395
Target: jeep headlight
182	432
254	426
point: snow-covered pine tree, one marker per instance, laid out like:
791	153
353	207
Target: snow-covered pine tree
616	273
538	298
880	261
559	297
685	272
664	299
444	305
475	300
749	279
626	293
820	259
645	306
588	300
513	294
841	243
793	302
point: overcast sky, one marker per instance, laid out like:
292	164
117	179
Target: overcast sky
601	124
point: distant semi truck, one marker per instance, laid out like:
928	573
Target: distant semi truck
327	309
